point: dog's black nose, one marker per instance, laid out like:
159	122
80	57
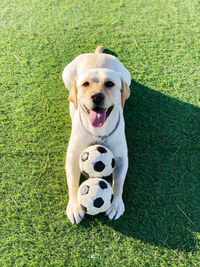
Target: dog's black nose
98	98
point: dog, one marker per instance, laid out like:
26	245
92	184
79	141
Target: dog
98	86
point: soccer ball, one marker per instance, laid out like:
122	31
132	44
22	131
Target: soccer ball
95	195
97	161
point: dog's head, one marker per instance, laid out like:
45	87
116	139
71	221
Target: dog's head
97	92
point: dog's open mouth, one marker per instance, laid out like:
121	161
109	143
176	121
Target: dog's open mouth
98	115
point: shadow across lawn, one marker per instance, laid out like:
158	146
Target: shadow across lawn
162	188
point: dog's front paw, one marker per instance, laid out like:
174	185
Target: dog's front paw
74	212
116	210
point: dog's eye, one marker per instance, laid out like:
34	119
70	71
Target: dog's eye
86	84
109	84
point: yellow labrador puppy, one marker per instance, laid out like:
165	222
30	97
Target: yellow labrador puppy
99	86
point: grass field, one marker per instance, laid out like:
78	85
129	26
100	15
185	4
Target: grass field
159	42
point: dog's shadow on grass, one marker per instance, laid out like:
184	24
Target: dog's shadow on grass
162	188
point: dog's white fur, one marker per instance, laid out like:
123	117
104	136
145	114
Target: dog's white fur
97	68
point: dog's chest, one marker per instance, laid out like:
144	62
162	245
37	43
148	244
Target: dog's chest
115	142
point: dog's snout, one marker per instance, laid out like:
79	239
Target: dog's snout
98	98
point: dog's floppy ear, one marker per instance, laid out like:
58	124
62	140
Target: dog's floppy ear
125	90
73	95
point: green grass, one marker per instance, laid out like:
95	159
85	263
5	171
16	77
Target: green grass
158	41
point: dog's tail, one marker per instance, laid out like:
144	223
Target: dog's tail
99	49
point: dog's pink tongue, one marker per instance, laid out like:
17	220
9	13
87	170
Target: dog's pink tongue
97	117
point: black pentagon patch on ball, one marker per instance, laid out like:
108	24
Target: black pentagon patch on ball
99	166
113	163
103	185
98	202
83	208
84	190
84	156
111	200
101	149
85	174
